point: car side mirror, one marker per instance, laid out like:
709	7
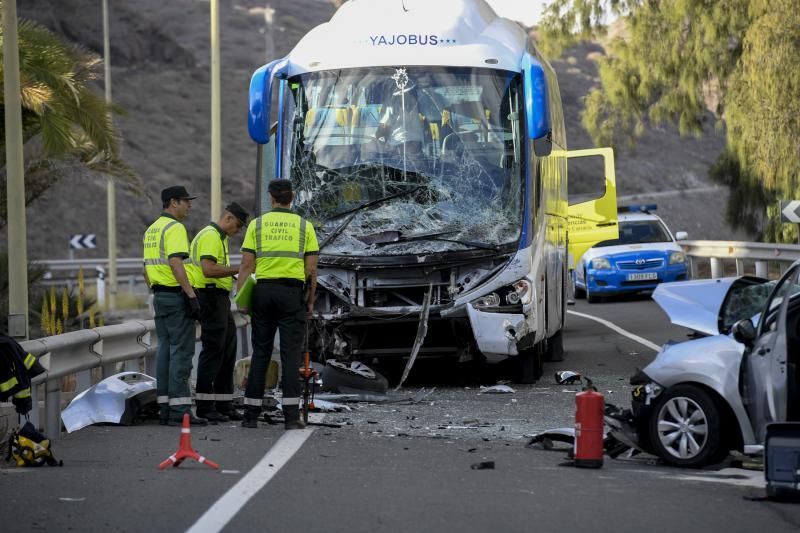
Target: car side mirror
681	236
744	332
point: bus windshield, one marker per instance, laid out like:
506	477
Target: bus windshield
414	160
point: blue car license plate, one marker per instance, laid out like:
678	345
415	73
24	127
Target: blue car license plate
643	276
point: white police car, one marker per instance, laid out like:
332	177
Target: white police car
644	255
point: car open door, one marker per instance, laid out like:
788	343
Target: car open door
592	190
765	363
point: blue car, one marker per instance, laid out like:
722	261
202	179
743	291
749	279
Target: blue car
644	255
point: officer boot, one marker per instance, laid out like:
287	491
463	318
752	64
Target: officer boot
251	417
291	416
206	409
227	409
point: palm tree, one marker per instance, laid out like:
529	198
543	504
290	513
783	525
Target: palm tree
67	127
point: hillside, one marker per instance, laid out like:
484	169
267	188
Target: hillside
160	72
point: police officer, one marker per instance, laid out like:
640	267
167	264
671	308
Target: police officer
282	249
210	273
166	246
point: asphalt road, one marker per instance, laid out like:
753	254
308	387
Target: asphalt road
405	466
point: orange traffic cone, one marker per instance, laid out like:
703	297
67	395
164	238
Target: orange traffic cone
185	449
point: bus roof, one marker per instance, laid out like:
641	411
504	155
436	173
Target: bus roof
367	33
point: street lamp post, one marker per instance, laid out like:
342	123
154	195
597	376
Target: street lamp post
111	193
216	116
15	179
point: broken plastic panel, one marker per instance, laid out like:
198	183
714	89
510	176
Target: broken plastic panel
452	134
115	400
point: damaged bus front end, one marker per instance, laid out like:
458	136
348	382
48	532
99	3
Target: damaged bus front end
434	170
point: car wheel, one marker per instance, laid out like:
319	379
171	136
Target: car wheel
344	377
578	292
591	298
685	427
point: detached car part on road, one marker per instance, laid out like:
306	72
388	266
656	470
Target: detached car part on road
701	398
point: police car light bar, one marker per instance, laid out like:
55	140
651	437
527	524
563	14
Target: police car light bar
645	208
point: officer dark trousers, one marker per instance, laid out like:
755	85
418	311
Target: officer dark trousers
175	332
214	390
276	306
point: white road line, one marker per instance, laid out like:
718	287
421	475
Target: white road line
730	476
619	330
223	511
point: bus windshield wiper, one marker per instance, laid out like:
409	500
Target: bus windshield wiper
354	211
394	237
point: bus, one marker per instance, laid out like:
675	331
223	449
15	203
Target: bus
426	143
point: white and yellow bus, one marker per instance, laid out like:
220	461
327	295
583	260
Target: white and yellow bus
426	142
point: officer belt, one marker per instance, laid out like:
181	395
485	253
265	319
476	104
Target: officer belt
289	282
164	288
210	288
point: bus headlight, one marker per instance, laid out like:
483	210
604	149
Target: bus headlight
677	257
519	293
490	300
601	263
508	299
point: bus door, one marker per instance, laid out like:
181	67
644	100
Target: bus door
592	192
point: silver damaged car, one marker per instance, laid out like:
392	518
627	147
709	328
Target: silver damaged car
703	397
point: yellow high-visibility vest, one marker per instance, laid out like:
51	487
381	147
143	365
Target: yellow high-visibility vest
280	240
211	243
164	239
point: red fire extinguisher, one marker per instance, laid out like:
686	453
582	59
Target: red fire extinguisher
589	407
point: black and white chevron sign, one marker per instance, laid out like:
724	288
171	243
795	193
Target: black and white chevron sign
790	211
80	242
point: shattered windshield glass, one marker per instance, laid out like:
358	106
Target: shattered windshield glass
390	161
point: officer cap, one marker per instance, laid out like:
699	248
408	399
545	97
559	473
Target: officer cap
178	191
238	211
279	186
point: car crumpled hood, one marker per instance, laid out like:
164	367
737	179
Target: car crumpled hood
694	304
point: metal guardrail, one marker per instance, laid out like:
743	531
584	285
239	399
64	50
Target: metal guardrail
133	344
717	252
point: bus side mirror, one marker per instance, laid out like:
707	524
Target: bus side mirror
744	332
537	109
260	99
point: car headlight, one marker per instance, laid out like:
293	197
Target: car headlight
601	263
677	257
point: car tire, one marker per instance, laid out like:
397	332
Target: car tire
577	291
684	427
591	298
346	377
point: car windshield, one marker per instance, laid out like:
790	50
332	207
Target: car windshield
638	232
451	136
745	301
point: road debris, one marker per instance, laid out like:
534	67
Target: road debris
497	389
483	465
422	330
326	406
72	499
118	399
567	377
